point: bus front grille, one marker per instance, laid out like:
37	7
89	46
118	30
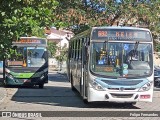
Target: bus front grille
123	89
122	82
114	95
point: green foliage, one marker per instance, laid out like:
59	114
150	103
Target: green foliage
157	47
14	54
52	48
29	17
83	13
63	54
24	18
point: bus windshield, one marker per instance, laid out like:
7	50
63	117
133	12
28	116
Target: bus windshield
27	57
121	59
35	56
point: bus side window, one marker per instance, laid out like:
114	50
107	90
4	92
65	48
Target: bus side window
85	53
77	48
69	51
80	49
73	49
72	52
88	41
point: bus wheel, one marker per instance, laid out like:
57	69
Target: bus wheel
41	85
86	101
72	87
131	103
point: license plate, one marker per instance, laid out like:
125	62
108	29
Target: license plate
26	80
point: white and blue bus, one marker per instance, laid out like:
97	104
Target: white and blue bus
112	64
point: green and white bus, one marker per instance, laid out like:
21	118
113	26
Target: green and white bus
28	62
112	64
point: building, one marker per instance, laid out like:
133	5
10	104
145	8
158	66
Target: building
61	37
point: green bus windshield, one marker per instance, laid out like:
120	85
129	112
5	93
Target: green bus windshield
27	57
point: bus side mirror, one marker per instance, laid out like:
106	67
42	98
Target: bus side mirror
49	54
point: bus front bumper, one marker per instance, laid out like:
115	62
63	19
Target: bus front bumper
27	81
120	96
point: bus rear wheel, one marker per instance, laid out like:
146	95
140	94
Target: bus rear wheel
41	85
72	87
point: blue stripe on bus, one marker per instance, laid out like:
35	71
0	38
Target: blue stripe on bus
119	84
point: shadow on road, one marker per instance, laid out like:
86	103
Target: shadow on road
60	96
57	94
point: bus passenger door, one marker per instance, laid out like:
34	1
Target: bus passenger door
78	66
75	66
84	69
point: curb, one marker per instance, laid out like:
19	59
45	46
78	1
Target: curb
3	91
3	94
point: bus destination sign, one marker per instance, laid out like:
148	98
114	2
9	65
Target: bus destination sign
121	34
29	41
118	34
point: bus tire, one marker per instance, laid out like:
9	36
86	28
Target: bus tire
41	85
72	87
85	101
131	103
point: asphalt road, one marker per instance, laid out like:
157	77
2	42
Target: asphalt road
63	103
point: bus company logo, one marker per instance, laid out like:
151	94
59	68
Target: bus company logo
121	88
20	114
6	114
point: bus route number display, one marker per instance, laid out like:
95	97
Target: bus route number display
121	34
118	34
29	41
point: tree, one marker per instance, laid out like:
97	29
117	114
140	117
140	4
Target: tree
62	56
29	17
82	13
52	48
24	18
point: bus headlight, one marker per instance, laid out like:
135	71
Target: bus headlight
97	86
10	76
42	77
145	87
